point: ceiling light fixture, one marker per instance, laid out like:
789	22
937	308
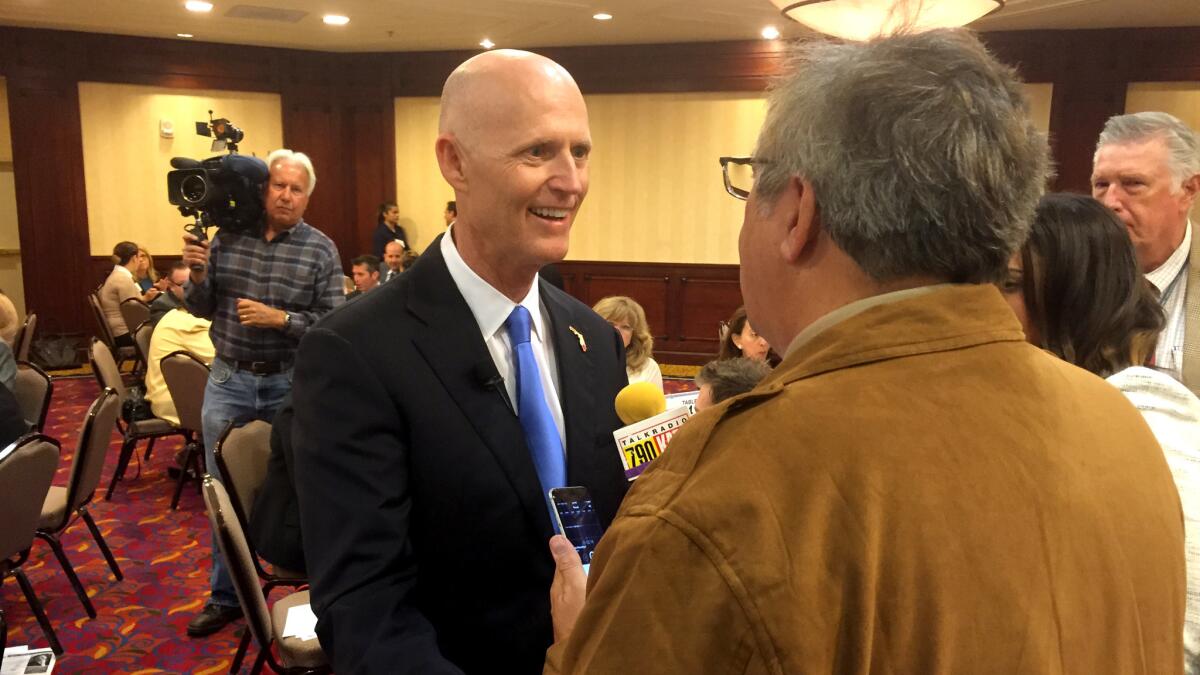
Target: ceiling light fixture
198	6
184	35
867	19
770	33
486	43
602	16
336	19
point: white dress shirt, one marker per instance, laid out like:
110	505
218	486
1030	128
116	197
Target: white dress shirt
1170	278
491	309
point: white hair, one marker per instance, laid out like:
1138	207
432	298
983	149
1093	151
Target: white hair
1183	146
286	155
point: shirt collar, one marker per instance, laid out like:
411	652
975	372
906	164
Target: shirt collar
853	309
489	306
1165	273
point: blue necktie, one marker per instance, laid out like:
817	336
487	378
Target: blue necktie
540	432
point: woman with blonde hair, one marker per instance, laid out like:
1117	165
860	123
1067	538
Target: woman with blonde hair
146	275
628	317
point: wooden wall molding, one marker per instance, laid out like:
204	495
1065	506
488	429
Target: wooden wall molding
338	108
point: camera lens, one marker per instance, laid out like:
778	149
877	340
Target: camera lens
193	189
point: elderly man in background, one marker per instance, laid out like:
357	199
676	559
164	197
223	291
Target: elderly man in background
262	290
914	489
1147	170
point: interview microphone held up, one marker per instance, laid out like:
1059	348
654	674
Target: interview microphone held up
639	401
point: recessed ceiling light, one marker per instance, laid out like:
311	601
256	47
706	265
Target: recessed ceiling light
184	35
770	33
602	16
198	6
336	19
486	43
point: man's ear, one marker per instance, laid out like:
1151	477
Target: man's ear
450	161
1191	188
805	222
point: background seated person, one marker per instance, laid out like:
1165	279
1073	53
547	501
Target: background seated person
10	321
394	256
119	287
365	271
146	275
177	329
172	292
723	379
1095	309
739	339
628	317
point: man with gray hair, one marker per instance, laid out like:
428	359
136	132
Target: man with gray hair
914	489
722	379
262	290
1147	170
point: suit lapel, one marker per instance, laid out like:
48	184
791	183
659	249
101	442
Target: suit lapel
575	383
451	344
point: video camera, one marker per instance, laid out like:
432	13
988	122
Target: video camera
223	191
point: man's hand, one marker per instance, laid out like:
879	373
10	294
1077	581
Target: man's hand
195	254
568	589
257	315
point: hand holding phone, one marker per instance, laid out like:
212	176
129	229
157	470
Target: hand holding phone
575	517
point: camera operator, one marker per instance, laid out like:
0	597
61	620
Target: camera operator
262	291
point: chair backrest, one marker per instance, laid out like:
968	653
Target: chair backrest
24	339
242	455
103	331
186	376
134	312
33	390
231	540
104	367
141	340
25	477
94	439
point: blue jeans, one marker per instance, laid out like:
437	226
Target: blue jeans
235	395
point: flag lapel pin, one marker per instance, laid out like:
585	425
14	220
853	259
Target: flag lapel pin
582	342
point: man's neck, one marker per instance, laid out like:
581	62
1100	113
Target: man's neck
274	230
514	284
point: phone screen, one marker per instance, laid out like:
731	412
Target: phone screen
577	520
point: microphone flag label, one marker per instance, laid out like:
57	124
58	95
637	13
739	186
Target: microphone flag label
642	442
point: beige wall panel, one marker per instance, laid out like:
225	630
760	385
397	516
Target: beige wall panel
421	192
10	238
1181	99
656	193
125	161
1040	95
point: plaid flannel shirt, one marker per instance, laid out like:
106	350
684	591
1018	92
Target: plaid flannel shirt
299	271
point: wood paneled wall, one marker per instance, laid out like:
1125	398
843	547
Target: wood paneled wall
339	109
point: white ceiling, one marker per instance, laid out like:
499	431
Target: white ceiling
408	25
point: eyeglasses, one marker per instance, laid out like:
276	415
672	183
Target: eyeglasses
738	173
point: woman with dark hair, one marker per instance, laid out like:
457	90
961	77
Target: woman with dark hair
387	228
739	339
1079	293
121	285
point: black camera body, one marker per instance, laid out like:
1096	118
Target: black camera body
225	191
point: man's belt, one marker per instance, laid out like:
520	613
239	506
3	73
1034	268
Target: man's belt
262	367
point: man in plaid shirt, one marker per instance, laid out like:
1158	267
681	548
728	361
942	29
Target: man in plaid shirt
262	291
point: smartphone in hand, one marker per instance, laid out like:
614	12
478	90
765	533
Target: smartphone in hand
575	517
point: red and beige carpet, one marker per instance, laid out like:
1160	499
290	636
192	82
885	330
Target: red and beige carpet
164	554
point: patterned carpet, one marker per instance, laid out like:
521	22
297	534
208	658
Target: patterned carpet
164	554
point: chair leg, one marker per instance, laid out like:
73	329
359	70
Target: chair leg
122	462
91	524
59	553
189	452
236	666
262	658
149	449
198	458
36	606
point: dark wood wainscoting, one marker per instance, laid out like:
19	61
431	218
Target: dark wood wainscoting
684	303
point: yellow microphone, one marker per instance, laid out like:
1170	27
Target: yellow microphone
639	401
